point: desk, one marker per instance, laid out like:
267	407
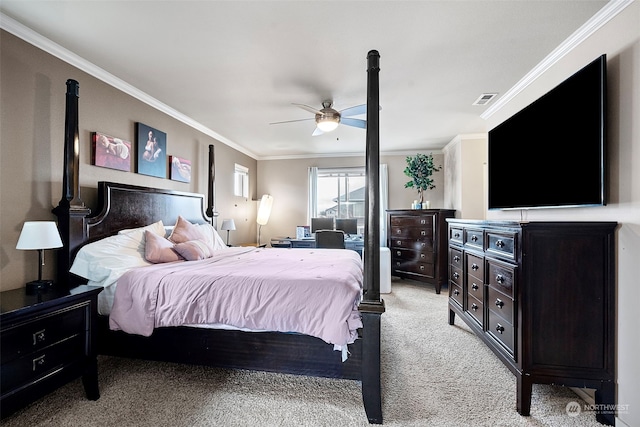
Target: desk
355	244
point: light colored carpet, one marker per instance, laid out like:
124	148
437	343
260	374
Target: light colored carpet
433	374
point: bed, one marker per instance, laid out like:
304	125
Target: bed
126	207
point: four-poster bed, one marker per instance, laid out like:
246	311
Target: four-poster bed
122	206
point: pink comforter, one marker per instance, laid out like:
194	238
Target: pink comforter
310	291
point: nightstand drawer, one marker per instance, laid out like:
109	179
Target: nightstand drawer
45	331
38	364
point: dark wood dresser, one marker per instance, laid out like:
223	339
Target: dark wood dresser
541	295
46	340
417	239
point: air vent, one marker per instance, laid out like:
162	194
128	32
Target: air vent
484	99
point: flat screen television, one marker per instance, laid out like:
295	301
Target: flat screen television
348	225
552	153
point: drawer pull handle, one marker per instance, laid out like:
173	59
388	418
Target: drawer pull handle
474	307
456	258
474	238
499	328
456	275
500	279
422	268
398	253
456	235
423	245
423	221
398	231
39	337
456	292
423	233
398	264
474	287
499	244
37	362
499	303
399	243
474	266
422	256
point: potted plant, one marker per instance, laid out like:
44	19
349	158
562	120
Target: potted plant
420	168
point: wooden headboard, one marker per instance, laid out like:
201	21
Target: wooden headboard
122	206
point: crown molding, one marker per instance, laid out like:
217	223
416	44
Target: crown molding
604	15
28	35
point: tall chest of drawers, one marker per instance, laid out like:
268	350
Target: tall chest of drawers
541	295
417	239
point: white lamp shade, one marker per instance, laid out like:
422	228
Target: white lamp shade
264	210
228	224
39	235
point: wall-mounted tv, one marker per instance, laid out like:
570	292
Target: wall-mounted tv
552	153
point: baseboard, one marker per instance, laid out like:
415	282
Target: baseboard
586	394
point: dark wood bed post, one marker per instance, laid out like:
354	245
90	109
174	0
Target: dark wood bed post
372	306
71	210
211	202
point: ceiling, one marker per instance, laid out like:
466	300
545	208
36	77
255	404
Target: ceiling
234	67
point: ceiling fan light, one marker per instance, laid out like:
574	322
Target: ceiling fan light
327	124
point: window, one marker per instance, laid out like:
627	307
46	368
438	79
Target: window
241	181
340	194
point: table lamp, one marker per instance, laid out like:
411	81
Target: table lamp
228	224
39	235
264	210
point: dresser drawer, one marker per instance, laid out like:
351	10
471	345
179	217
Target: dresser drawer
455	275
474	238
402	255
501	244
501	277
475	267
41	363
475	308
413	267
475	288
455	258
422	245
418	233
501	304
501	330
456	234
42	332
455	293
412	221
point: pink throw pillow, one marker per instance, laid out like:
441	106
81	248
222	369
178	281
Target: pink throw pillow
184	231
157	249
194	250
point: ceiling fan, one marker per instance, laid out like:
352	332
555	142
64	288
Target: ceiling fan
328	119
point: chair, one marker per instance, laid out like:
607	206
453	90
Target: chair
330	239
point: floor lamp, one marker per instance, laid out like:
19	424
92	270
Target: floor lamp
264	211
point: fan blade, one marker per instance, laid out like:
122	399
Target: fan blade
354	111
309	109
291	121
354	122
317	132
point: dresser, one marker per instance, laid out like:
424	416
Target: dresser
46	340
541	296
417	239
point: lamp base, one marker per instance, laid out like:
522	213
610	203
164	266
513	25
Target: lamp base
38	286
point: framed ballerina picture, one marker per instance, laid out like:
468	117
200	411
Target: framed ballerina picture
152	151
180	169
110	152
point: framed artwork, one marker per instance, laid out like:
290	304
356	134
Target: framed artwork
152	151
180	169
110	152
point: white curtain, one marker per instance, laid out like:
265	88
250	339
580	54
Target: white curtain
384	203
313	194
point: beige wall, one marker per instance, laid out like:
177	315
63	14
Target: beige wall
287	181
620	40
33	88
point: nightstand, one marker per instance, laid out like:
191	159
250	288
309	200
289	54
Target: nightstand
46	340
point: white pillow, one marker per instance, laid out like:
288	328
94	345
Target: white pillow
109	258
213	238
156	227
